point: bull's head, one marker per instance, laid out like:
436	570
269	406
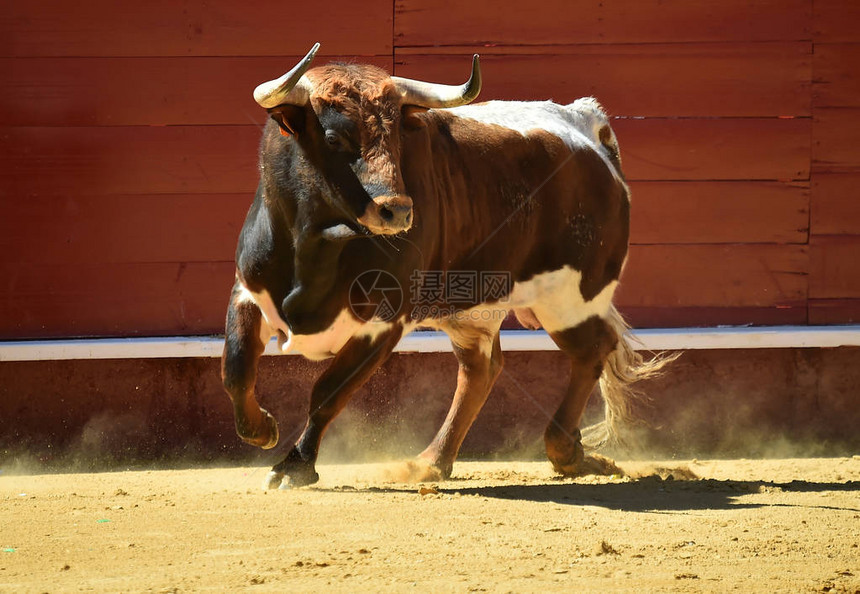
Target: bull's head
347	118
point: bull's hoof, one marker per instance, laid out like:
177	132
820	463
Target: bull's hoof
278	480
434	471
262	439
569	470
592	464
274	434
434	465
303	479
418	470
293	472
600	465
572	468
273	480
565	452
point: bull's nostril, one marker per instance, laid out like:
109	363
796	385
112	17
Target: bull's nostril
386	214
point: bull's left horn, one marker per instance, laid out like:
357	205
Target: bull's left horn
292	87
425	94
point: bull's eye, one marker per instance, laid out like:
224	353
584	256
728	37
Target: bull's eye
340	144
333	140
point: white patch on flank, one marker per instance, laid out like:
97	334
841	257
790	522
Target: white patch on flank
556	299
321	345
577	125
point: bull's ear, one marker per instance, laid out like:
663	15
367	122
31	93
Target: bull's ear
290	118
412	116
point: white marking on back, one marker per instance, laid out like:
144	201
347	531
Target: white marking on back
577	125
524	116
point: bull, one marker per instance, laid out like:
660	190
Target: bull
406	185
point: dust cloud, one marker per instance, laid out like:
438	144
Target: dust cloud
392	431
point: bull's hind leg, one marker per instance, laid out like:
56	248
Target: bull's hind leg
245	341
479	354
351	367
588	345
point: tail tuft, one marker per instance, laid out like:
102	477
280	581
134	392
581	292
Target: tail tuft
623	368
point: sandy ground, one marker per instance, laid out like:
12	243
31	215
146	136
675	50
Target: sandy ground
765	526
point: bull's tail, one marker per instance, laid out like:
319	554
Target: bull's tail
622	369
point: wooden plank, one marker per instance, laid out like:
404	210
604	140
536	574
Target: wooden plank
714	276
121	229
118	299
128	160
834	311
836	20
194	28
834	267
761	79
429	23
715	149
835	207
749	80
836	82
735	284
175	91
114	299
204	227
834	140
719	212
222	159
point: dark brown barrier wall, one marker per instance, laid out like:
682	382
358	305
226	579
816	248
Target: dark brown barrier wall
128	141
797	402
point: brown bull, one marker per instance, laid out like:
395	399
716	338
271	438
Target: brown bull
385	204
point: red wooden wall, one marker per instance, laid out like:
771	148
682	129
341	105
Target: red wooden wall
128	143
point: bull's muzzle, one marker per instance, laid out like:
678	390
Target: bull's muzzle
387	215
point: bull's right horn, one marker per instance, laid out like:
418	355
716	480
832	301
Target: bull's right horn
426	94
291	88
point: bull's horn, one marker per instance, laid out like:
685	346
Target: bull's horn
424	94
292	87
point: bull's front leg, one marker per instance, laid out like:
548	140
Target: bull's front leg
245	341
351	367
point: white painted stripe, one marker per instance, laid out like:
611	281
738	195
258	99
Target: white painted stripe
652	339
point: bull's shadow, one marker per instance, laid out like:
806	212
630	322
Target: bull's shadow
655	496
647	495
